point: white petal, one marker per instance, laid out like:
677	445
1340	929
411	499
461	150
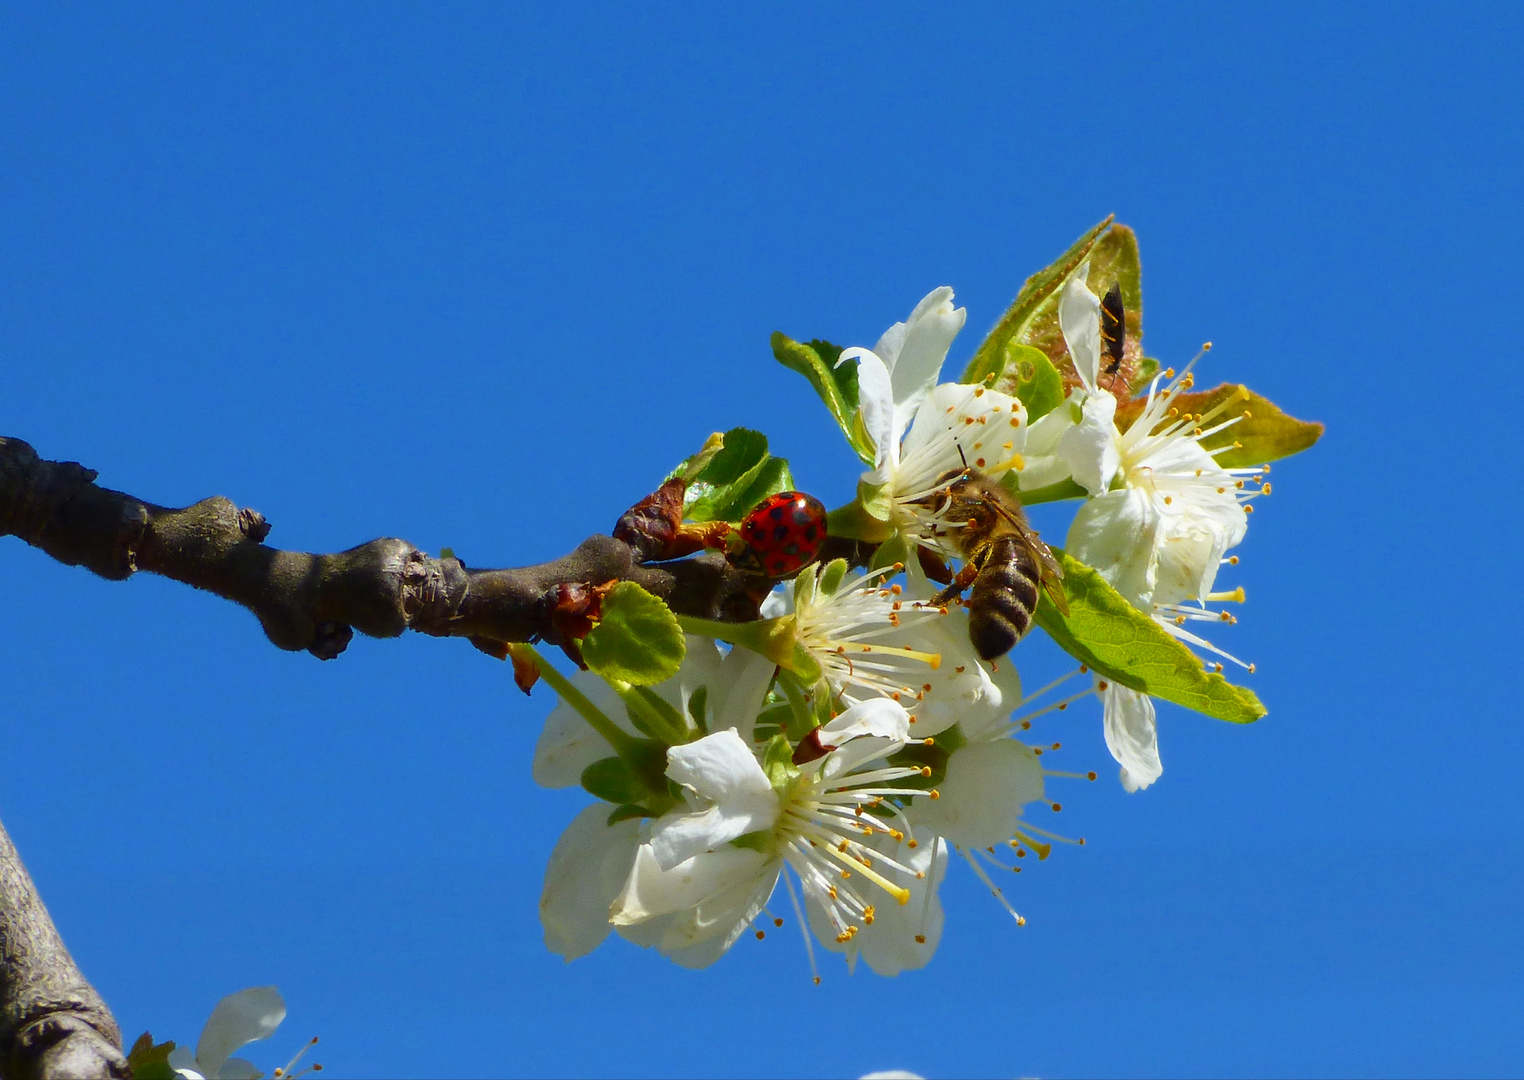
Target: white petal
737	698
721	768
1118	535
880	717
981	798
587	870
1079	317
914	351
567	744
875	404
955	424
184	1062
240	1069
238	1019
971	696
651	891
1043	465
1132	735
1090	448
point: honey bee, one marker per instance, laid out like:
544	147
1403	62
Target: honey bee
1004	560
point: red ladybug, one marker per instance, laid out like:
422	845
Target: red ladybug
785	531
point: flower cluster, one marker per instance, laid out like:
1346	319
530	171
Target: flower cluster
852	739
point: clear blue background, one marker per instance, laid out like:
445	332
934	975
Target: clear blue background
477	276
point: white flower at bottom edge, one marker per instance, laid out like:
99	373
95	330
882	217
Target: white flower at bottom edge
237	1020
692	890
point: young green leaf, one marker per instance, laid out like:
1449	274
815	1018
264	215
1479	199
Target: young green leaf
736	479
1039	294
1263	434
151	1062
1120	642
637	640
1034	379
837	386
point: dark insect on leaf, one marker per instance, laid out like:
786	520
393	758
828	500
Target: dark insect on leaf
1113	329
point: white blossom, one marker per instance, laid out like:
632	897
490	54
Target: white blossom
707	869
237	1020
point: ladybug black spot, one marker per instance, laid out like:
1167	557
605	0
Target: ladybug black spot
792	549
776	513
779	566
809	535
780	533
802	515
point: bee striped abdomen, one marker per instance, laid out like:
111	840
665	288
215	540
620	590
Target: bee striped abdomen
1004	595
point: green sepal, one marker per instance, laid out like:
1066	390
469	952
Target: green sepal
926	757
802	717
697	705
637	639
1064	489
1037	296
894	550
1033	379
1267	434
763	840
626	812
614	780
832	575
1148	367
877	500
637	775
1119	642
737	477
854	522
654	716
150	1061
778	763
837	386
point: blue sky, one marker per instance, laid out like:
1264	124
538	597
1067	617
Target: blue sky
478	276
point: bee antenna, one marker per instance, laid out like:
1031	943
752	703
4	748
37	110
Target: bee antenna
960	454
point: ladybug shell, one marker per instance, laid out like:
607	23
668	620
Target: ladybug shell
785	531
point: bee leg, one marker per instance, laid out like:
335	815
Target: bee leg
964	579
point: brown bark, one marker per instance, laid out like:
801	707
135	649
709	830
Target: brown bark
316	602
52	1022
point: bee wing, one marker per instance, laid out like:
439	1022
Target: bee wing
1055	593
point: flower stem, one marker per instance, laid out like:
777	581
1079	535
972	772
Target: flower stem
623	743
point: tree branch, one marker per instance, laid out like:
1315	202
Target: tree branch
316	602
52	1022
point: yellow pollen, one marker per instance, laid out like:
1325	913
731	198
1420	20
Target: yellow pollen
1020	921
1251	669
1248	509
1232	560
1219	490
982	420
1057	807
979	392
926	771
1101	685
760	935
929	740
895	589
959	669
1239	484
1168	499
817	980
1015	420
1090	776
912	843
951	408
920	939
1217	668
968	420
777	922
898	567
979	462
1248	415
1169	373
934	793
1266	489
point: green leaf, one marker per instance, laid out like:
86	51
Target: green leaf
637	640
736	479
626	812
1038	296
1267	434
1033	379
837	386
1122	643
149	1061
